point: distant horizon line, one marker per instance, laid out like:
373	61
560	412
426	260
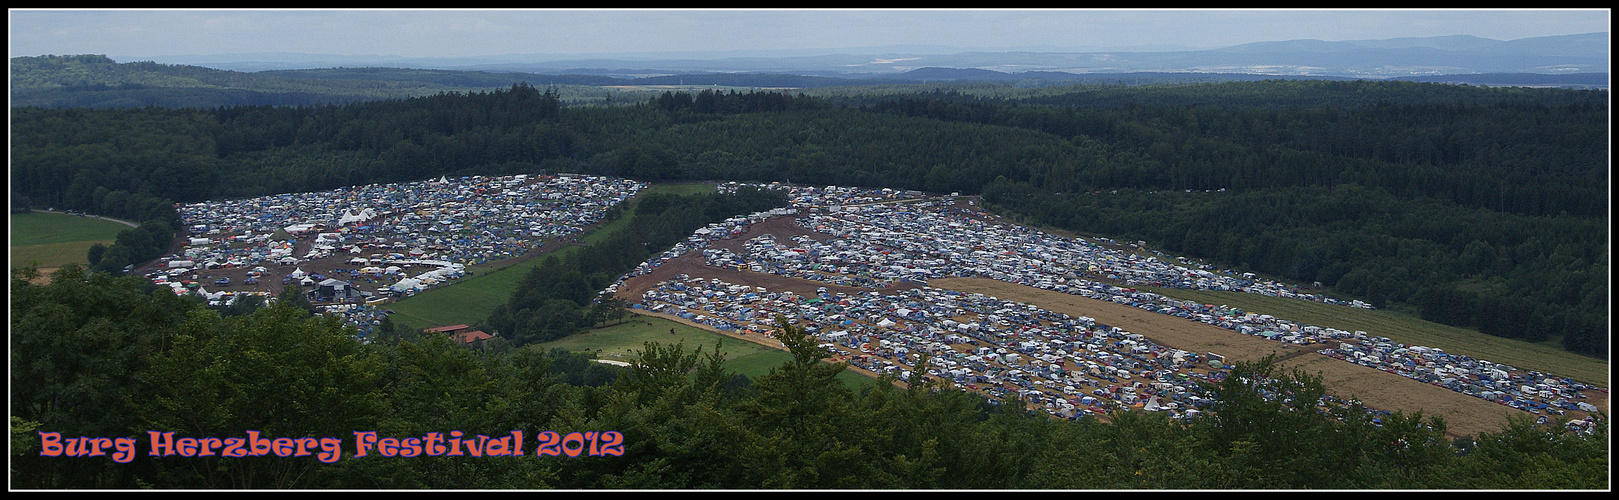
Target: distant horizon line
936	49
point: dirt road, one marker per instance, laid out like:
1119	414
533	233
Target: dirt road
1463	414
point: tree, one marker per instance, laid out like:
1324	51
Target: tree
95	253
294	296
1268	425
243	305
613	308
802	413
277	371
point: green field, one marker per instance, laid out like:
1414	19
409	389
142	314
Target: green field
1410	330
621	342
51	240
468	300
471	299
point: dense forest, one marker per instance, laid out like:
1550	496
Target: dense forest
559	298
1478	207
94	356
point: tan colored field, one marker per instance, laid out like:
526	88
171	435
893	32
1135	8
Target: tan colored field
1410	330
1464	414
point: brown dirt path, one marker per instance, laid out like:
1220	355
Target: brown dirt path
1464	415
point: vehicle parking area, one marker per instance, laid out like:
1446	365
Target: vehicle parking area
378	241
1052	321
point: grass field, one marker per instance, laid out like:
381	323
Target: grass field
470	300
1410	330
621	342
52	240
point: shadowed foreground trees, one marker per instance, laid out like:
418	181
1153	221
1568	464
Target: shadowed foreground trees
98	356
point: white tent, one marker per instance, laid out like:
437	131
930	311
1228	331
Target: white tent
406	284
298	273
359	216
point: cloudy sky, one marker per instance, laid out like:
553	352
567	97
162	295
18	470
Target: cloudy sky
126	34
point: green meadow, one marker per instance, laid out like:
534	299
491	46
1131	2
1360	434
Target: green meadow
1409	329
621	342
51	240
471	299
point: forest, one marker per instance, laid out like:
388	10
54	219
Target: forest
98	356
1483	207
1472	206
559	298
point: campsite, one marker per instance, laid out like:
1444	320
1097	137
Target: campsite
882	276
1378	389
749	249
741	265
379	241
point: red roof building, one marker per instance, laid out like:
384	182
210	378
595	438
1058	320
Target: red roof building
473	336
463	333
447	329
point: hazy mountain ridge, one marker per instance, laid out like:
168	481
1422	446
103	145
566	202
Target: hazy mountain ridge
1387	58
98	82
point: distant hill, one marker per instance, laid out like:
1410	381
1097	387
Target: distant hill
1065	78
1584	53
1575	80
97	81
1387	58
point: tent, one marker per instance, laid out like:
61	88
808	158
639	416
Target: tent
406	285
1152	405
360	216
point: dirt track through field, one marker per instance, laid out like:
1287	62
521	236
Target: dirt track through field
1463	414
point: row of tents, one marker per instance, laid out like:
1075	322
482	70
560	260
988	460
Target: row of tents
890	242
1070	366
468	220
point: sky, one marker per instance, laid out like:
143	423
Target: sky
462	33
